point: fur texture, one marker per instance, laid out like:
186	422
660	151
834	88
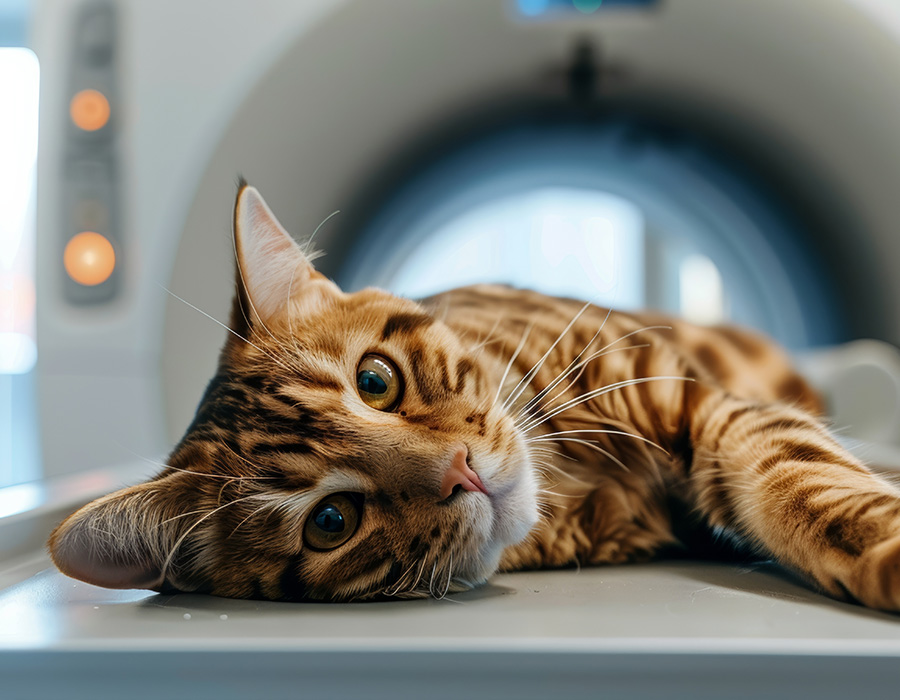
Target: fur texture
527	431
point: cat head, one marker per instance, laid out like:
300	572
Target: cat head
350	446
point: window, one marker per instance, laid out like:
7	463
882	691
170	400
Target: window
19	76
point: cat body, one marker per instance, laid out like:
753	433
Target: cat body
358	446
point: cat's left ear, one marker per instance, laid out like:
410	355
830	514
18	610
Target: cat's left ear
271	268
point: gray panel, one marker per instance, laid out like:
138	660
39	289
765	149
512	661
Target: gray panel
90	173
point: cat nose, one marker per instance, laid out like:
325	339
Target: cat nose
460	474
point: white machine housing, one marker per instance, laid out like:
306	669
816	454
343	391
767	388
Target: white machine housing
316	101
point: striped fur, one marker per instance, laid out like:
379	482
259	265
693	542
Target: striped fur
600	437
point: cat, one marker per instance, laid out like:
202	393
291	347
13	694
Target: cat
364	446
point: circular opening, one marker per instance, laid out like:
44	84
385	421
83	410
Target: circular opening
567	242
613	214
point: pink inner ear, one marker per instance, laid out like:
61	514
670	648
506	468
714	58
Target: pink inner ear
272	265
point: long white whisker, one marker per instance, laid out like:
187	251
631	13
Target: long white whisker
526	380
431	580
211	475
168	560
558	495
511	360
549	402
592	445
583	364
240	270
401	582
449	577
423	562
230	330
594	394
288	306
481	343
306	247
547	450
568	369
252	514
606	432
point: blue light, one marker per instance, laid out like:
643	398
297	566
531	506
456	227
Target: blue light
587	6
550	9
533	8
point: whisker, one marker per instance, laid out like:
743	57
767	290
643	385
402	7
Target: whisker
211	475
570	368
528	411
230	330
555	453
561	474
558	495
252	514
526	380
240	271
583	364
482	343
287	305
312	255
511	360
605	432
591	445
423	562
400	584
252	465
168	560
431	580
594	394
449	576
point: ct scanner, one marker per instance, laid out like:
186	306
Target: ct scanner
769	127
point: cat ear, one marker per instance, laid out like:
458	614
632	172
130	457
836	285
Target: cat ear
119	541
272	268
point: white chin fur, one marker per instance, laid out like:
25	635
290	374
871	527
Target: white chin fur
516	513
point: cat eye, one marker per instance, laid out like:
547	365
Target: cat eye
378	382
332	522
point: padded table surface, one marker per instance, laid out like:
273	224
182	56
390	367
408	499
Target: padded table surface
664	629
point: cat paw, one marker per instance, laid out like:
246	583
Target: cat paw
876	578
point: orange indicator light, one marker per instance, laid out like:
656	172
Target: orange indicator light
89	258
89	110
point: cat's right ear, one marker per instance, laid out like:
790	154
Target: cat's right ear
122	540
272	270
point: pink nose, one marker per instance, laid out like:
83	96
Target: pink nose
460	474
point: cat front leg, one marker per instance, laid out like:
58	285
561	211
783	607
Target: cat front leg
774	476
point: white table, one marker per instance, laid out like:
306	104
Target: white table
672	630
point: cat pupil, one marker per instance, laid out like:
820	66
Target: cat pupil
329	519
371	383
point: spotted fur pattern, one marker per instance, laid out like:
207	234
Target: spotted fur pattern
600	438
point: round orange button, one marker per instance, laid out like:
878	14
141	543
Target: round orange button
89	258
89	110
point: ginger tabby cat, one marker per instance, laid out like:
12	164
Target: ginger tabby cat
358	446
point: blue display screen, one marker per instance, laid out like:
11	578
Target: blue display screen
549	8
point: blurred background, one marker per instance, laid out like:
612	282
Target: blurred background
720	160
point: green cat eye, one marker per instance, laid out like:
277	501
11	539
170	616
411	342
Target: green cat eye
378	382
332	522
